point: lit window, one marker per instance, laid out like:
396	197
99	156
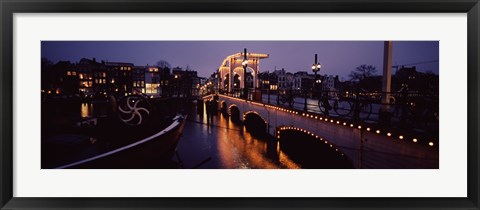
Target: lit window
96	81
85	84
121	68
151	88
69	73
74	73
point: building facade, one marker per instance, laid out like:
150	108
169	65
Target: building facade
90	79
152	81
120	77
85	69
185	82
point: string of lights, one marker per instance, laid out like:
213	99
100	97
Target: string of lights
332	120
339	148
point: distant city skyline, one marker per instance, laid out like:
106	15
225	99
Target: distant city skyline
336	57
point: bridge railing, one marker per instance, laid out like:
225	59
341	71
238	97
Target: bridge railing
406	110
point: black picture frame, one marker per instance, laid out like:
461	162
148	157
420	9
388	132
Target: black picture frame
9	7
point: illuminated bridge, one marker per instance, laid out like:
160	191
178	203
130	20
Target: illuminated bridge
368	146
232	67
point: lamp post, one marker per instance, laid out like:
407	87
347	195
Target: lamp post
217	85
176	84
315	68
268	88
245	64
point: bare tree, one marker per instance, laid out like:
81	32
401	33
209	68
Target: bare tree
362	72
164	64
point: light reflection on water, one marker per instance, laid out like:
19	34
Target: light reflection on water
93	109
228	144
86	110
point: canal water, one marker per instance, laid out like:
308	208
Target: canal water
214	142
218	142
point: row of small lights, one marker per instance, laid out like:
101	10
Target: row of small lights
281	109
389	134
237	99
308	133
256	103
207	97
312	116
266	105
245	116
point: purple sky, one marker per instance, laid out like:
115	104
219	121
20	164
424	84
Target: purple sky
336	57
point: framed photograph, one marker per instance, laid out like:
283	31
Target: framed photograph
252	105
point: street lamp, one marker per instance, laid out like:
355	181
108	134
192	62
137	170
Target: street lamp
245	64
268	87
315	68
215	82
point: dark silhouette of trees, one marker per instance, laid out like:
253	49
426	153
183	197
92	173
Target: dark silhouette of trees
163	64
364	77
362	72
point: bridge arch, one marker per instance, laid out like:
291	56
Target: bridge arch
255	123
255	113
329	151
234	112
313	134
239	71
223	106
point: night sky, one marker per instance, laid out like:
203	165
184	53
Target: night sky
336	57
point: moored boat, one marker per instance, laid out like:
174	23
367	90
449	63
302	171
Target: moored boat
137	136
